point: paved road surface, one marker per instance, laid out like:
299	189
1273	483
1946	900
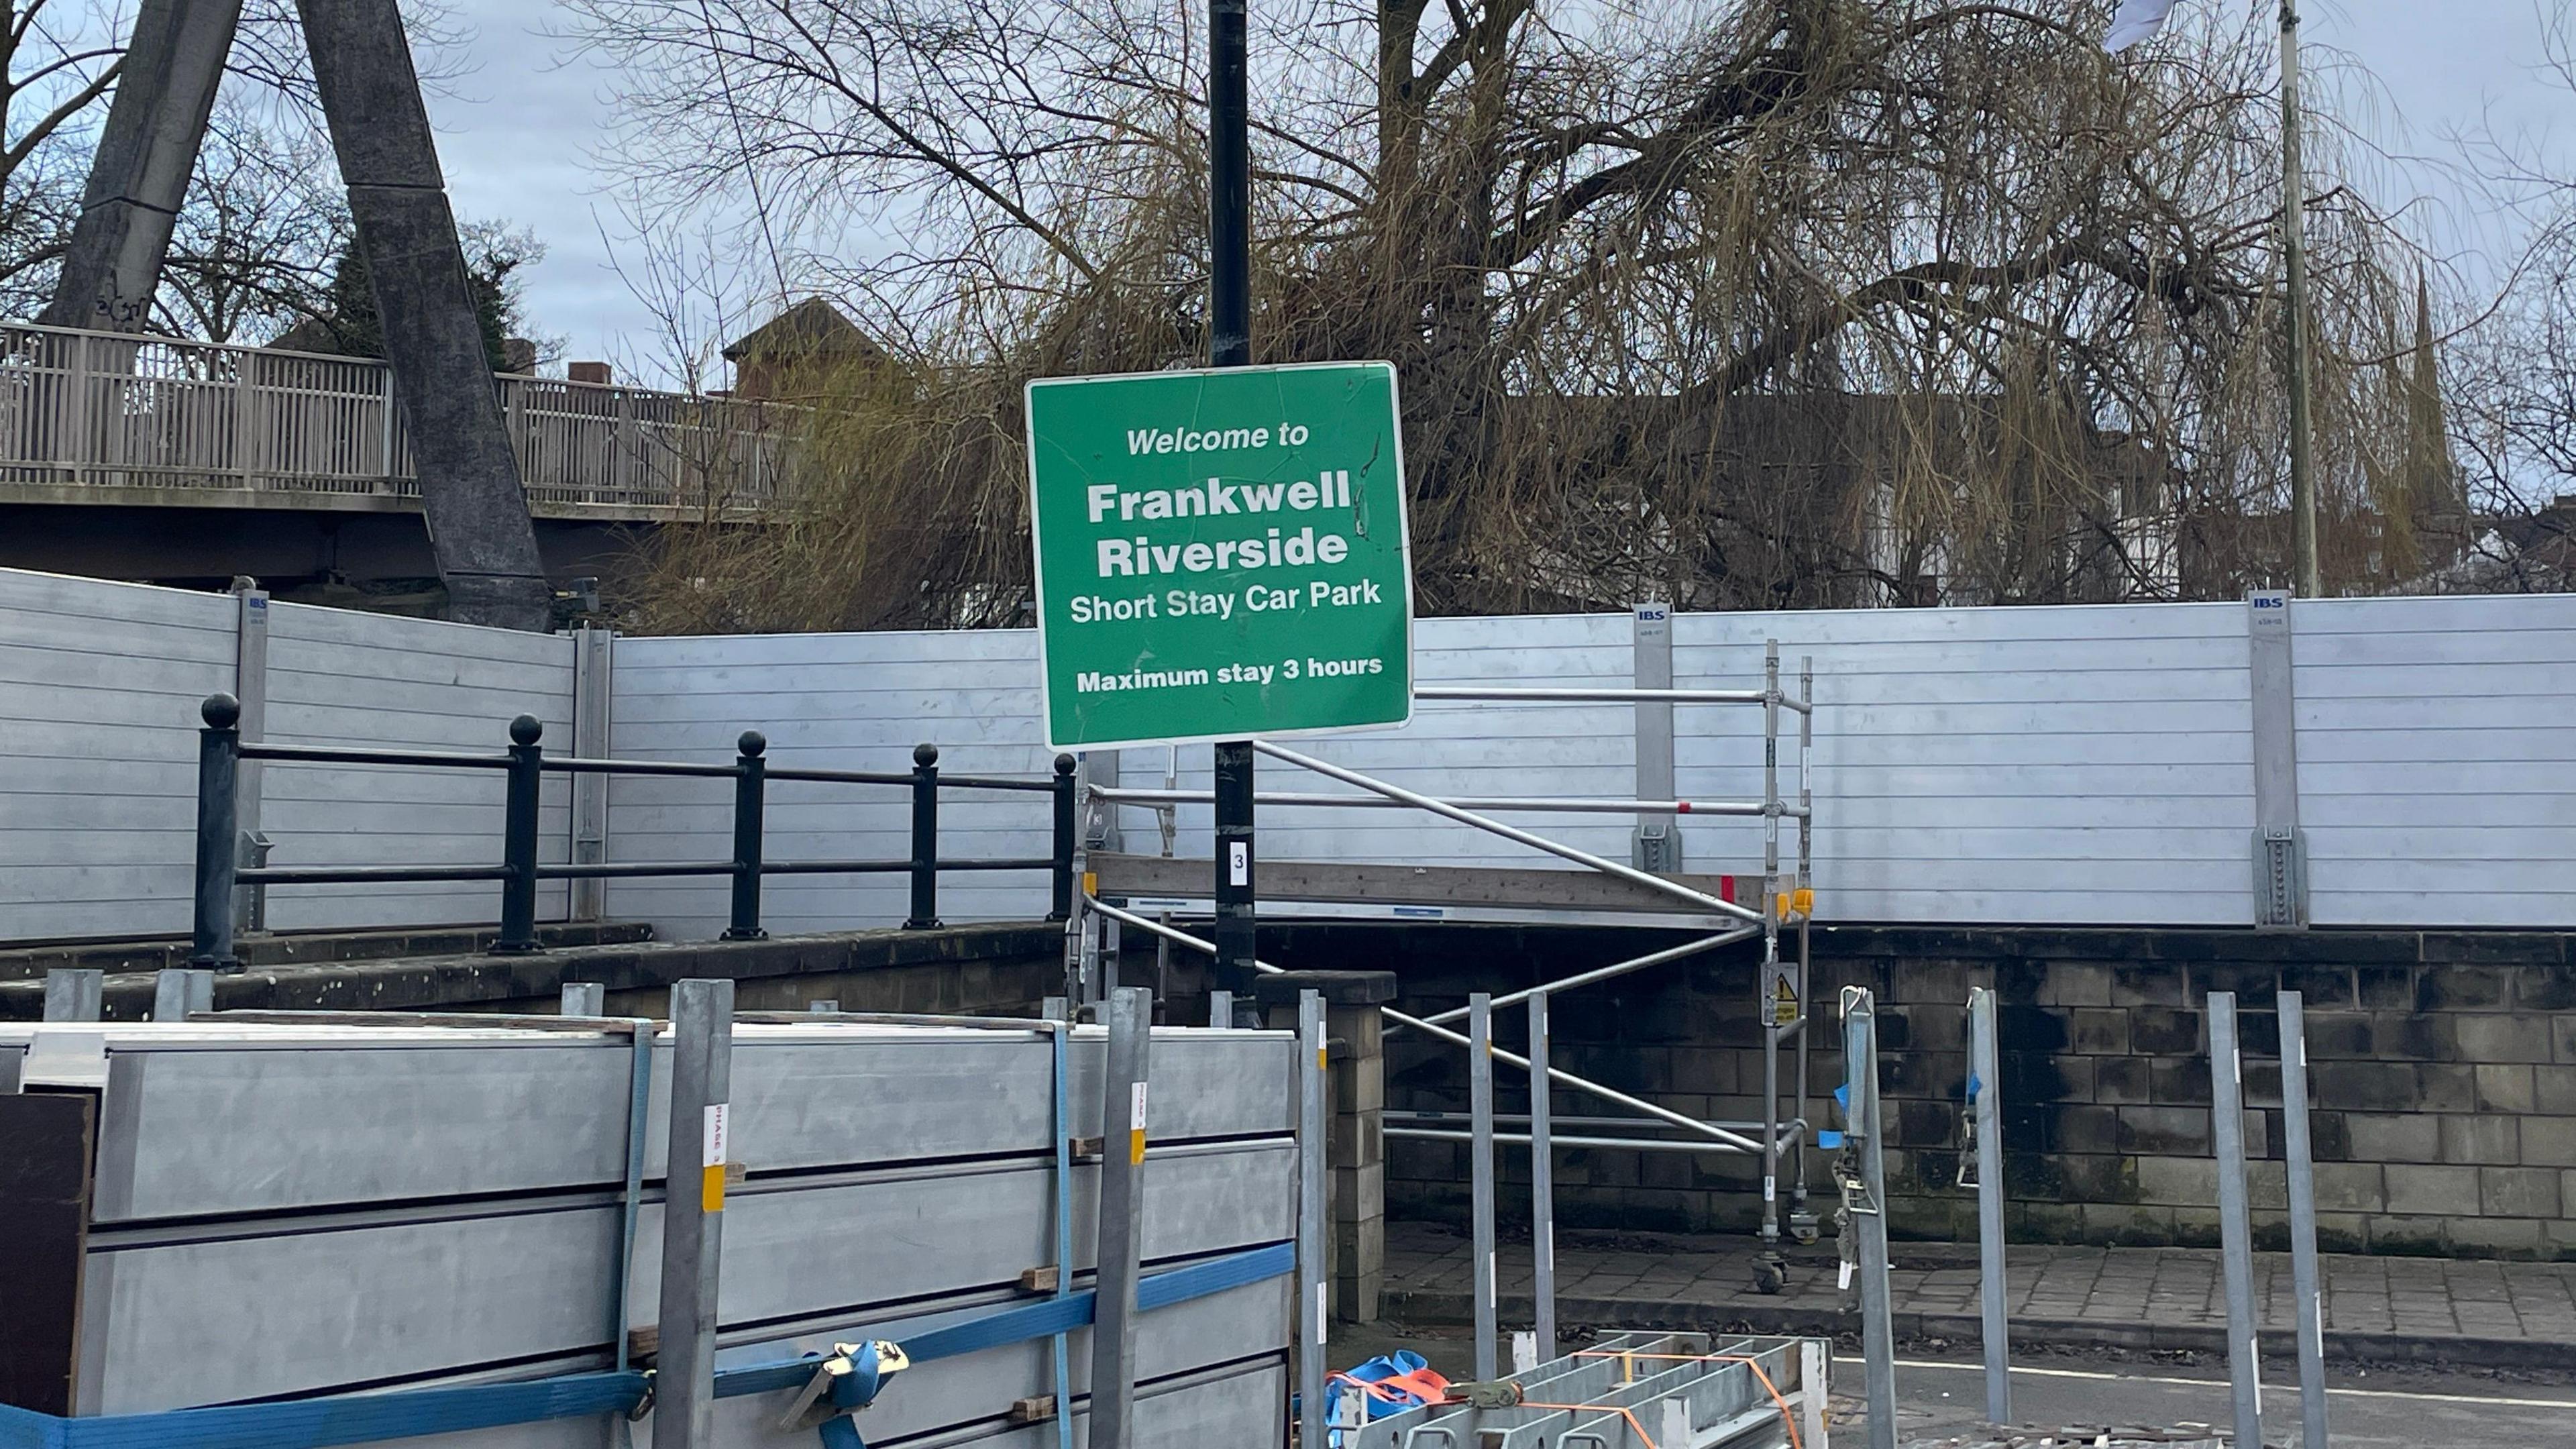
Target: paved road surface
2386	1409
2143	1298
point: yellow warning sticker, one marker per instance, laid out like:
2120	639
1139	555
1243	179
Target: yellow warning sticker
1784	1002
1136	1127
711	1177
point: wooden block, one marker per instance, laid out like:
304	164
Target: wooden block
47	1143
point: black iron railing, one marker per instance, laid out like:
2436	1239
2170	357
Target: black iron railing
221	750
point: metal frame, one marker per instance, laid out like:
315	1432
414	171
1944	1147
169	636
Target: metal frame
2280	847
250	681
2235	1230
2227	1142
1121	1217
1657	842
1480	1092
1573	805
74	993
1313	1282
1783	977
1986	1109
1542	1185
177	991
2301	1178
693	1222
1628	1391
1864	1189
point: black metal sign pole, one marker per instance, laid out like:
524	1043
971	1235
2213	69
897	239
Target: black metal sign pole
1230	345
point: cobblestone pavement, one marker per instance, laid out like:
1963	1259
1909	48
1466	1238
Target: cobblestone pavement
2482	1311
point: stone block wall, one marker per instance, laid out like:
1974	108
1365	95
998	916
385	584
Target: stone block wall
986	970
2443	1072
2442	1084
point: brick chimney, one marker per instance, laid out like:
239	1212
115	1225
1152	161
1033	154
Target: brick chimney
588	372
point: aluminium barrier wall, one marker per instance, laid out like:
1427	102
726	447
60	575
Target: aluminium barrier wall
2100	765
99	687
98	751
340	678
2091	765
836	701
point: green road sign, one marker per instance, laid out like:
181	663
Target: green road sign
1220	554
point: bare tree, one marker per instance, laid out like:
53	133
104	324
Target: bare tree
1743	302
59	63
54	68
254	248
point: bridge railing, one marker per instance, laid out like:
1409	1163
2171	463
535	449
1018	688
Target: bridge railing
111	410
524	765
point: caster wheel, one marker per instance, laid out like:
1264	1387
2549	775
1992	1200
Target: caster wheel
1770	1277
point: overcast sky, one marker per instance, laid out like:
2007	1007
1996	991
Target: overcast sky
516	133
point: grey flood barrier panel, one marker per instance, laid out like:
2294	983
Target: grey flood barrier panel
281	1118
272	1204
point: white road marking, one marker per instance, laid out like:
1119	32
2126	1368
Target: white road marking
2020	1371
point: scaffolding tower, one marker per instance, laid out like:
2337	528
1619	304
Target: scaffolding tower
1781	920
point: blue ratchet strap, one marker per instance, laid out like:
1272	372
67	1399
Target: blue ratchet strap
1827	1138
1032	1320
340	1419
854	1390
1052	1318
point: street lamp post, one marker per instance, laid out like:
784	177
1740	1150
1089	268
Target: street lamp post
2294	249
1230	345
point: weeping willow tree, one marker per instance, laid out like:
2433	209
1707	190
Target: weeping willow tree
1744	303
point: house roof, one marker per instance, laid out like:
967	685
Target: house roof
811	329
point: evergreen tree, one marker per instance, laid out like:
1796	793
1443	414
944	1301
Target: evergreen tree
352	327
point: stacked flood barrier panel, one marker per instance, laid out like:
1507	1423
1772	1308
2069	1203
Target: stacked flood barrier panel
2086	765
100	689
99	686
337	677
2437	760
837	701
2050	765
284	1212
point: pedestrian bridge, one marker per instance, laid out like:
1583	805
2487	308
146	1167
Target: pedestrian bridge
112	419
